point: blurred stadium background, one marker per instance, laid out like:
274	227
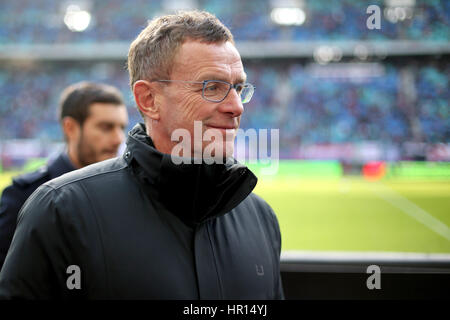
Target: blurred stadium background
363	114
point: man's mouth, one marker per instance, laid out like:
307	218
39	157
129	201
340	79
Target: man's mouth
221	127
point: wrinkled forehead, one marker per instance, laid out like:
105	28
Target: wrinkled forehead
198	59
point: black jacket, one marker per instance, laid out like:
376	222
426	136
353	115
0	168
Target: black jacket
14	196
141	227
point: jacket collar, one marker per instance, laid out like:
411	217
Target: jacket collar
193	192
60	165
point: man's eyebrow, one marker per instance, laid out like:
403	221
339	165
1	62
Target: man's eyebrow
105	123
211	76
240	79
110	123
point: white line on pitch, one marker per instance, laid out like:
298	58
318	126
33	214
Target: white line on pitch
411	209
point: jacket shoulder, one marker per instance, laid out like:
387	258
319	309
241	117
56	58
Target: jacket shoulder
29	179
259	202
89	172
263	210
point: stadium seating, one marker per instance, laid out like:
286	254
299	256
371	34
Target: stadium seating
27	21
310	109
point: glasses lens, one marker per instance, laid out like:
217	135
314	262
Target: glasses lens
247	92
215	90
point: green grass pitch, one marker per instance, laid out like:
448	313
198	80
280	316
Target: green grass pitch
348	214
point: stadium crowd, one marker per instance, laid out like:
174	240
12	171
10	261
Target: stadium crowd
28	21
307	108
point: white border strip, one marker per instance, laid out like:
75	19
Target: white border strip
344	256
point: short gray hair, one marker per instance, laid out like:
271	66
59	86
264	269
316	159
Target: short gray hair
151	54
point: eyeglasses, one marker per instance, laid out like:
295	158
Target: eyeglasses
217	90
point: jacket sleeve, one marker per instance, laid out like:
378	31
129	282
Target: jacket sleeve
274	235
12	200
35	266
278	294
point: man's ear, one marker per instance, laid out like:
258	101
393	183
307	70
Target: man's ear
144	95
71	128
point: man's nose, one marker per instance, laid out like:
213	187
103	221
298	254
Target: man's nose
118	136
232	104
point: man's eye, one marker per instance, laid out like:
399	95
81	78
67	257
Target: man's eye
105	127
211	87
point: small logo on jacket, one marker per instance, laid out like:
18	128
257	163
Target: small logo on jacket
259	270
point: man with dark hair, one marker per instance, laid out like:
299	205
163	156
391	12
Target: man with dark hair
147	225
93	117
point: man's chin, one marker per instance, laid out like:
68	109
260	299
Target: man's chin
106	155
218	151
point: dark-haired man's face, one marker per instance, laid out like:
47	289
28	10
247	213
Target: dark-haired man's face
101	134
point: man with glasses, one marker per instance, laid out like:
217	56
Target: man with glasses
145	226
